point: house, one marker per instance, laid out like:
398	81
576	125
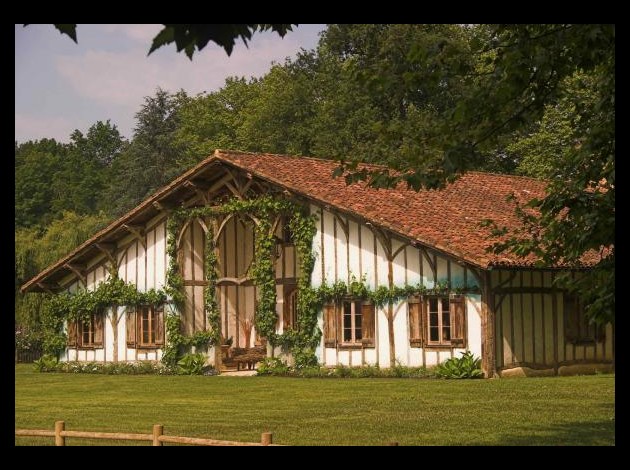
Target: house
500	307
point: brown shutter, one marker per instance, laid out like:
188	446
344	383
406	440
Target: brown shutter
367	326
159	326
72	333
458	320
571	319
330	325
98	329
130	322
600	334
416	322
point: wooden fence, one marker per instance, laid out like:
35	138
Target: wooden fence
27	355
157	437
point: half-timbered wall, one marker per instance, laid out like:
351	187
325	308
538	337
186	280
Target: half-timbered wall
530	326
141	258
349	247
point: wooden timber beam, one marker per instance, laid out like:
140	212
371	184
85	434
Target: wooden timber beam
108	250
201	194
399	249
138	232
488	353
49	288
79	271
425	253
343	225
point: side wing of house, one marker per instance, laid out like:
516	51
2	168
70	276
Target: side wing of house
127	334
426	331
541	330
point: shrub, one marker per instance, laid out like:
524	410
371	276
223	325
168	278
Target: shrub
192	364
465	367
47	363
273	366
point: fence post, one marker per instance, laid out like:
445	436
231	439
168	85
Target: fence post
266	438
59	439
158	430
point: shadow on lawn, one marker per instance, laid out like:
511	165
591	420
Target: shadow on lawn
597	433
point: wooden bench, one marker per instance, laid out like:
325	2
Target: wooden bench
246	357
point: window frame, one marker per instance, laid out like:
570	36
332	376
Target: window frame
440	326
354	304
290	319
155	315
95	328
333	334
419	318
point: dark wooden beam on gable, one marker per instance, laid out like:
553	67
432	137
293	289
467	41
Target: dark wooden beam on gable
138	232
78	270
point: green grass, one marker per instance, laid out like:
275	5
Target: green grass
527	411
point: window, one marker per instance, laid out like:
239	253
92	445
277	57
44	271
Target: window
437	321
352	322
349	323
577	328
290	308
145	327
87	334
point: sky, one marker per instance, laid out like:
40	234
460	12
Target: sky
61	86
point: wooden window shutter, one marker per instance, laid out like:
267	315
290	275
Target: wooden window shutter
330	325
72	333
130	322
571	319
159	325
600	333
367	326
458	320
416	322
99	328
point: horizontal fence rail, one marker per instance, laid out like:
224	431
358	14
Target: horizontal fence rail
157	437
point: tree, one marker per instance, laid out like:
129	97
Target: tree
512	73
188	37
151	160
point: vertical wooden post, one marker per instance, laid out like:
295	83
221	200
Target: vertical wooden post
158	430
266	438
489	365
59	439
218	354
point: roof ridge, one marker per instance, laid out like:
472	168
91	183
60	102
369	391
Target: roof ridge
218	153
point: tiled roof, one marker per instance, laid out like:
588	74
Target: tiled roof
447	220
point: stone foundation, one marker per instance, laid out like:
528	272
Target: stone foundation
572	369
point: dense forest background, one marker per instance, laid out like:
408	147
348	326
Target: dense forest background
392	94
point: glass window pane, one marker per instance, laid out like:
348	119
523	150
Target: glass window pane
433	305
434	334
446	333
445	305
433	319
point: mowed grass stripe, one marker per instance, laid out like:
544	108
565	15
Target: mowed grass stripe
531	411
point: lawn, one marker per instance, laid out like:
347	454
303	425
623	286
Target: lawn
526	411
